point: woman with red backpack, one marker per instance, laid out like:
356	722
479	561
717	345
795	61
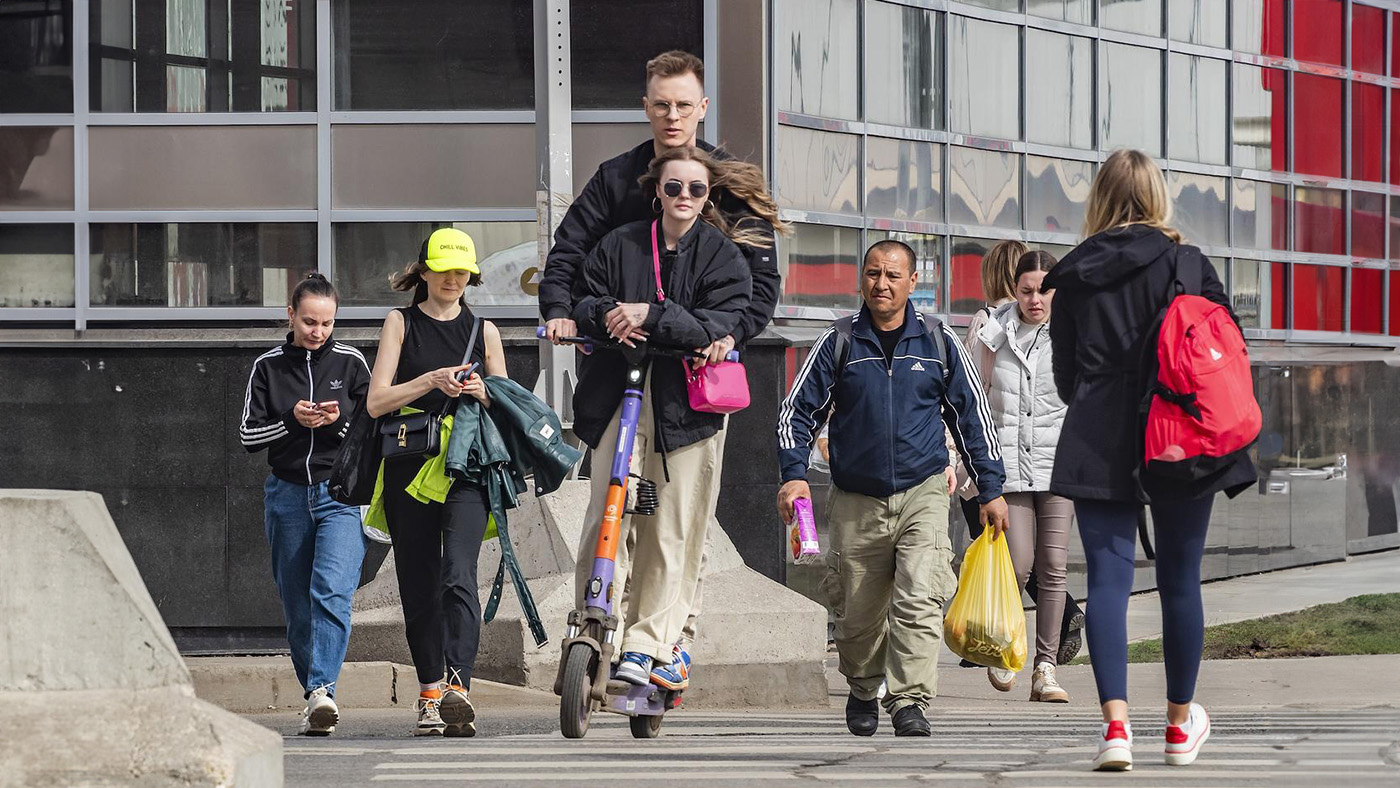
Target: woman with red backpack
1111	293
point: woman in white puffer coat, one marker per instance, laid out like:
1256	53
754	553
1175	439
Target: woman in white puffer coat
1028	413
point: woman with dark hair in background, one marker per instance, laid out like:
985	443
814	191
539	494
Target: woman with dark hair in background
298	403
998	283
1028	414
424	349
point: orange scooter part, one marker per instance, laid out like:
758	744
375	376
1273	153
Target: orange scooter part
612	522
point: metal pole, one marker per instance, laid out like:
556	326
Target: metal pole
554	191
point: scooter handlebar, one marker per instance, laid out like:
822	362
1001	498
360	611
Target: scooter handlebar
588	345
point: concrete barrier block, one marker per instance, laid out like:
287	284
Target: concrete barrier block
74	613
160	737
80	635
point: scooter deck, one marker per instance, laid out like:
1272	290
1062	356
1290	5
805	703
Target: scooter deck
634	701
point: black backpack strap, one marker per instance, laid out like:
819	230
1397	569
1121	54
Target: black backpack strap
940	338
843	342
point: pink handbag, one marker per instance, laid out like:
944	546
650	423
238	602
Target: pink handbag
713	388
718	388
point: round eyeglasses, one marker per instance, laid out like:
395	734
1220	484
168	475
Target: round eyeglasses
662	109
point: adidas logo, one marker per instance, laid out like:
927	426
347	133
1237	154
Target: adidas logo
918	367
336	385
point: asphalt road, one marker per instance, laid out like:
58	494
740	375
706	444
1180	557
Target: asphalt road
1017	745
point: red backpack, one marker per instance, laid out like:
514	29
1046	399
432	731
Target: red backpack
1201	410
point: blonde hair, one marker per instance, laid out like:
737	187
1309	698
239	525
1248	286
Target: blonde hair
1129	189
998	263
740	179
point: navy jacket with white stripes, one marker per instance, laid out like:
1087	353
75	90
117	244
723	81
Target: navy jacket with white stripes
887	419
279	379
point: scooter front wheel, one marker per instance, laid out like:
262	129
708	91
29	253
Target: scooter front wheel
576	702
645	727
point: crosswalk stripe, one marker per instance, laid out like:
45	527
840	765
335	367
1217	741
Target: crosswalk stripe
649	776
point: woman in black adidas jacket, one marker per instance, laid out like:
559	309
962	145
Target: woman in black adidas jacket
298	405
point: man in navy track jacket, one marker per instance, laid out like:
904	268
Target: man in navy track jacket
890	380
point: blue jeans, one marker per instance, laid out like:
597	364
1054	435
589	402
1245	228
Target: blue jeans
317	552
1109	532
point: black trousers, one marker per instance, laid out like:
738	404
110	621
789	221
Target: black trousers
436	546
974	527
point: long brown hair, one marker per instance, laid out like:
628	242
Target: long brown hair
741	179
1129	189
997	264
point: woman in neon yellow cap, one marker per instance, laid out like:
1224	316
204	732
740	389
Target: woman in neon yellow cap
423	349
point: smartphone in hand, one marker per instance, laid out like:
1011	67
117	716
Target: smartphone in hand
468	372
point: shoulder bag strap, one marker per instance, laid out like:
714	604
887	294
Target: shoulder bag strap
656	263
467	357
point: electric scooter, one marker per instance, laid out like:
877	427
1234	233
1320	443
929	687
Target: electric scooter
585	681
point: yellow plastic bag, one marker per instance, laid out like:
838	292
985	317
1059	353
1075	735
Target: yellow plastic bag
986	623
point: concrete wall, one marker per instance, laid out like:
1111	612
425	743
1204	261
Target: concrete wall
148	419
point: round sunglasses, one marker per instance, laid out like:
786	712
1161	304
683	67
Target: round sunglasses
673	189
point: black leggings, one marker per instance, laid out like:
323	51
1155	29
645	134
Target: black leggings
971	513
436	546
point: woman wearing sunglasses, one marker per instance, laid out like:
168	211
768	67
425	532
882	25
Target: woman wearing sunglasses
677	281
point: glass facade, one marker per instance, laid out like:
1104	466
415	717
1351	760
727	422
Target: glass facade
196	151
218	150
1274	120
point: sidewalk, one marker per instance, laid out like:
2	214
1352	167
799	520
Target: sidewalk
1271	593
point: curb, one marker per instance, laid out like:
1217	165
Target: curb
251	685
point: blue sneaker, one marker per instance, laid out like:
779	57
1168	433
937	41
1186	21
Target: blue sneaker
634	668
675	676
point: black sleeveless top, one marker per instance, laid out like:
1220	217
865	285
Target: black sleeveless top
430	344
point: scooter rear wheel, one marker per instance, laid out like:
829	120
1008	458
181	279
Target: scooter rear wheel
576	702
645	727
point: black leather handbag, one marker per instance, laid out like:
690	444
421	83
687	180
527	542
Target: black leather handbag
356	465
418	433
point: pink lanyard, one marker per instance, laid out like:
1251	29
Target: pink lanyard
656	264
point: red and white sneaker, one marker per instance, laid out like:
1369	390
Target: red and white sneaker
1184	741
1115	748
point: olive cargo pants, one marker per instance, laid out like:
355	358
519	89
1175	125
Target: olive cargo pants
888	574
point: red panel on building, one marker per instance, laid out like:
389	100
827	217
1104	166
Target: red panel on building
1367	39
1317	123
1317	31
1367	132
1318	302
1366	300
1278	295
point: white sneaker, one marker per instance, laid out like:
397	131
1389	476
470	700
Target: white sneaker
457	713
1184	741
1115	748
429	720
1001	678
1044	687
321	714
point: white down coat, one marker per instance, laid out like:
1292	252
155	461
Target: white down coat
1025	406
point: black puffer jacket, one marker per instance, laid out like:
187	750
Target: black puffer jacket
1109	293
707	292
614	197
